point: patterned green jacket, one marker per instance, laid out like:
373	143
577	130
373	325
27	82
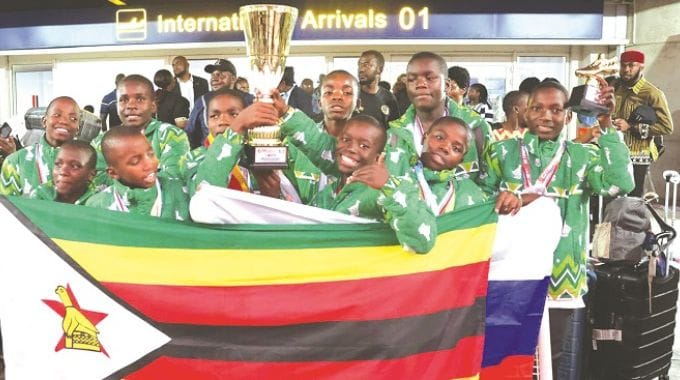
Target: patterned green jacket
214	165
584	170
401	150
169	143
397	203
26	169
47	192
466	191
174	201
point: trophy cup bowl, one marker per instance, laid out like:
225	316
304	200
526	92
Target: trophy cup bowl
583	99
268	30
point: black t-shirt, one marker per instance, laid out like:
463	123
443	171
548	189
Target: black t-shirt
382	106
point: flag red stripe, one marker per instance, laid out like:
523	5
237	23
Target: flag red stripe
272	305
516	367
462	361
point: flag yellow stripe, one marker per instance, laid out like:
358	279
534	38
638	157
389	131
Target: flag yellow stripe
225	267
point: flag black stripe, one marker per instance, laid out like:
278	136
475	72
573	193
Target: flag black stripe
327	341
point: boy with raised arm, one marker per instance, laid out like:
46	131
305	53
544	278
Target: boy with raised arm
543	165
359	183
136	188
221	167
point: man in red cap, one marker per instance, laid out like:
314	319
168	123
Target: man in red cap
640	133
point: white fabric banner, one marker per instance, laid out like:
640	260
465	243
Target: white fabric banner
218	205
525	242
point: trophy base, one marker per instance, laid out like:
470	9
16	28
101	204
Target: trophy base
583	100
266	157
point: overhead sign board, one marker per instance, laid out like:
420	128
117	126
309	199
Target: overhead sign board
180	22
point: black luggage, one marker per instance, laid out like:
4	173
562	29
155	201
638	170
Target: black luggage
628	341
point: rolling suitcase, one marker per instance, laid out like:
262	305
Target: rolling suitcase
628	341
632	311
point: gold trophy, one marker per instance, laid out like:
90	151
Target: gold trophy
268	30
583	98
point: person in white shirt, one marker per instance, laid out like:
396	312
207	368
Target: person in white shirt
189	86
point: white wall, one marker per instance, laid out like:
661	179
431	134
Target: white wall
657	33
88	81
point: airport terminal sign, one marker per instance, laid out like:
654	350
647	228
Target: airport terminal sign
183	22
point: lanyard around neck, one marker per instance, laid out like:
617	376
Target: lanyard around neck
447	202
548	174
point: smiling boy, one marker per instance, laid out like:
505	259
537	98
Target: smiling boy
359	182
26	169
136	188
543	165
217	163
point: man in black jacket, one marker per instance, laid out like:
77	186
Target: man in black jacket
293	95
189	86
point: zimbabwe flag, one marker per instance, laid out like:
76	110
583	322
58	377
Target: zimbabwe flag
157	299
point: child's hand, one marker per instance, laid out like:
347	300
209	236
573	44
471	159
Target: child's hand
508	203
279	103
588	135
269	182
257	114
606	95
374	175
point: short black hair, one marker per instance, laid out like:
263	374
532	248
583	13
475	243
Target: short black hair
528	84
119	78
483	92
550	79
51	103
228	92
511	99
550	85
378	57
333	73
385	84
85	147
141	79
162	78
113	135
443	67
372	122
460	75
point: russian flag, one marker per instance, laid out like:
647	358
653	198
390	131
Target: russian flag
519	275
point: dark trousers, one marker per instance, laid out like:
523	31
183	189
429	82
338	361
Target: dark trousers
567	333
639	175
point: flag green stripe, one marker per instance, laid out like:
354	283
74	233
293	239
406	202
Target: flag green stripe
58	221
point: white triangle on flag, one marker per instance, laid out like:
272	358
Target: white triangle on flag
30	272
